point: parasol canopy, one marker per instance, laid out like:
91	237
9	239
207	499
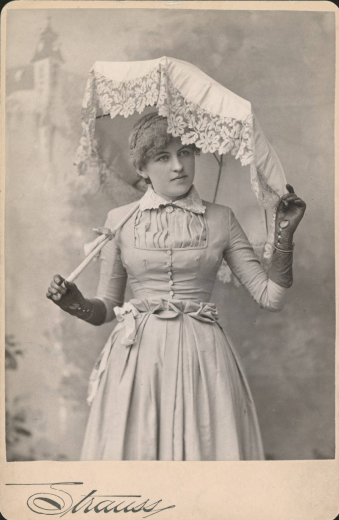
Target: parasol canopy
198	109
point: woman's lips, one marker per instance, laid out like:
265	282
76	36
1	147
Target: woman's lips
179	178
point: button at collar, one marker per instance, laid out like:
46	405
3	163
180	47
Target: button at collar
169	209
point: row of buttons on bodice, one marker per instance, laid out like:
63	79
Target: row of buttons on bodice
170	272
169	264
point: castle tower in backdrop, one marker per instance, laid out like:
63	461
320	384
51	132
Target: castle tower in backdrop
46	73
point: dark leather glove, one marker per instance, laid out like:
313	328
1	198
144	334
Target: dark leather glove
280	270
68	297
289	213
290	210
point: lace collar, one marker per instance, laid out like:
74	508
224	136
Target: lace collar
192	202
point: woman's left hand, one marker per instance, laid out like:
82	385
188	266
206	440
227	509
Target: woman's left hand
291	208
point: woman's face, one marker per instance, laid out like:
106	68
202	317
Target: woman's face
171	170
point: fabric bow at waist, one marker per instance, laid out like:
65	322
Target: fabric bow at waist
163	309
128	316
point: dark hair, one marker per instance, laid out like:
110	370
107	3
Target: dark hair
148	136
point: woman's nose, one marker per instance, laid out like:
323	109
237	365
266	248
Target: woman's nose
176	164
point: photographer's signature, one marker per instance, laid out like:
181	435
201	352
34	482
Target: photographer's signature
54	500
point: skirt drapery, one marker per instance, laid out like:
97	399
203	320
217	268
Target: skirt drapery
169	385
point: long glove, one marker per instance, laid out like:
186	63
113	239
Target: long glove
68	297
289	213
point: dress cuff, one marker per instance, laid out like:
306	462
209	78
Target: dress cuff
276	295
109	308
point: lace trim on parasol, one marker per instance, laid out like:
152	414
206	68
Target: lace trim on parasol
193	124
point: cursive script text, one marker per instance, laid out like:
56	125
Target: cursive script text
55	500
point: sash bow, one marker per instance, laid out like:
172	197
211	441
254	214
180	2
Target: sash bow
127	316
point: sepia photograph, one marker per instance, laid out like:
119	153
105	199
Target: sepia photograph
169	234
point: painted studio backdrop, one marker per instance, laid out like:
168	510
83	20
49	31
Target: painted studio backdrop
283	63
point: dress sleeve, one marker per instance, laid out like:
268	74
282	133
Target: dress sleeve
244	263
113	276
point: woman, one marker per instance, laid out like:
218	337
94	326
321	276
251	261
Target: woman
168	384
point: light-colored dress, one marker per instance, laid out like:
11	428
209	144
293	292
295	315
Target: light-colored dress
169	384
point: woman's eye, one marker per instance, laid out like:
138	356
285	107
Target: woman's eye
184	153
162	158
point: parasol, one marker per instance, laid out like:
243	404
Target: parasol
198	109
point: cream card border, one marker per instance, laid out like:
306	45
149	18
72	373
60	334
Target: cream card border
292	490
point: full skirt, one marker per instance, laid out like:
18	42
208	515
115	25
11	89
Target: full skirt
178	392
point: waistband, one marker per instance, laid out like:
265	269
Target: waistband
166	309
128	316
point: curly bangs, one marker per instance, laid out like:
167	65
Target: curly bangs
148	136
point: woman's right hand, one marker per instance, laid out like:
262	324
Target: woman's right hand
66	295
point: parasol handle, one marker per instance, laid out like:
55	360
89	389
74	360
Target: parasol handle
106	237
74	274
